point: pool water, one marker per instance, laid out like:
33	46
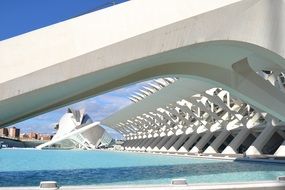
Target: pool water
27	167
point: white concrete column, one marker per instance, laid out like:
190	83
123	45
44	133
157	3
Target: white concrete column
143	142
178	143
170	142
202	142
281	150
189	142
154	143
261	140
161	143
126	144
134	141
138	141
237	141
213	148
148	143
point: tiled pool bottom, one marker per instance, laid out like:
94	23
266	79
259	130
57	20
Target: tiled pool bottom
21	167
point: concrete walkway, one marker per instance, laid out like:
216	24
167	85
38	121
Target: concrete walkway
266	185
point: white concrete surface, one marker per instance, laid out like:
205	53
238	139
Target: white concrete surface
183	40
266	185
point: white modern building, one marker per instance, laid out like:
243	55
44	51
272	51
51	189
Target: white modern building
210	122
76	130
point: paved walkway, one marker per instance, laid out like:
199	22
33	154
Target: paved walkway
268	185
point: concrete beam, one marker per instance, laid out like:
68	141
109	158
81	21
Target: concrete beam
184	43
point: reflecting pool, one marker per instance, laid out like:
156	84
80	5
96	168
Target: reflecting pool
27	167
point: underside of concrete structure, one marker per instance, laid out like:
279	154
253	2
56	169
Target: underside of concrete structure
226	56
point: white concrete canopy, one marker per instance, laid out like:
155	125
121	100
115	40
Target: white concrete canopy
76	59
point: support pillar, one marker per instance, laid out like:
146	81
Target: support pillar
237	141
178	143
188	144
261	140
134	141
161	143
142	143
170	142
146	145
138	141
281	150
202	142
126	143
213	148
154	143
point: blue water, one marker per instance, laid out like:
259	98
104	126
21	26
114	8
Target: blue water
20	167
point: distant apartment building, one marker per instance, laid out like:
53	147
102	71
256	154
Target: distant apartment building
33	135
45	137
14	132
24	136
4	132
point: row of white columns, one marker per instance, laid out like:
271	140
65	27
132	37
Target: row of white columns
204	119
195	142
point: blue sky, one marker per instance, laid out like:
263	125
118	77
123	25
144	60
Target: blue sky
19	16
